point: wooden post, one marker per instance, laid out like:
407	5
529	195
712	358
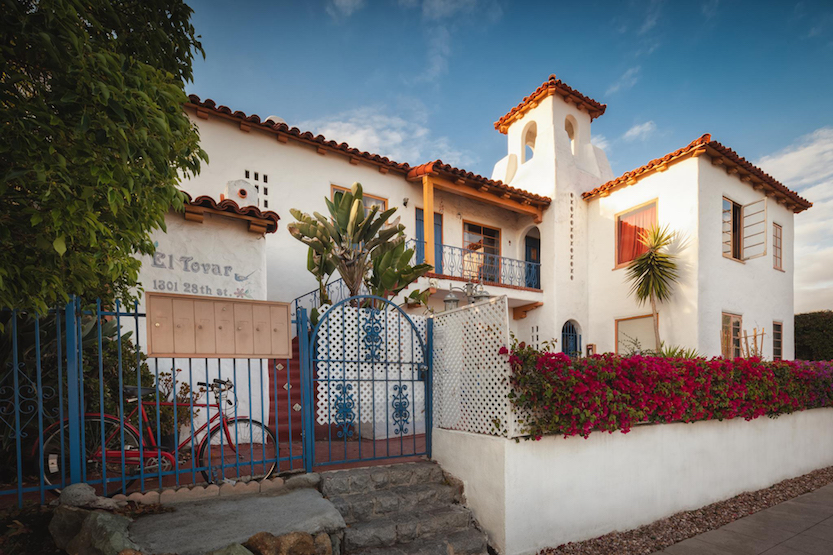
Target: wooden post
428	217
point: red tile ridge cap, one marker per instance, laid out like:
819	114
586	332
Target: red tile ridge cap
437	167
550	87
269	217
704	144
295	133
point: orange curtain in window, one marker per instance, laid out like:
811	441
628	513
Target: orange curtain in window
631	227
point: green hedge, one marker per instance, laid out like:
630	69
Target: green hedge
814	335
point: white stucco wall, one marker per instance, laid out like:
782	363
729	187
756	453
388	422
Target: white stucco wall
216	258
479	461
753	289
676	194
299	178
532	495
561	171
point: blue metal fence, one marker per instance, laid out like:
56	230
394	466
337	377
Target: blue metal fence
481	267
79	401
368	367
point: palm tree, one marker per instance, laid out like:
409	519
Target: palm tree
363	247
653	273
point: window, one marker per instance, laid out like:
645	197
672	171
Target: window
629	227
265	178
570	128
777	340
369	200
247	174
732	225
530	135
256	176
481	257
635	334
570	339
730	335
777	245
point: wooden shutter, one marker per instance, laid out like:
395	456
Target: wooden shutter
754	231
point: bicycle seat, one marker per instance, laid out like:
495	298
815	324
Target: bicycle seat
135	391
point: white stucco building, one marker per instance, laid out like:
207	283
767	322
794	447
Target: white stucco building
552	228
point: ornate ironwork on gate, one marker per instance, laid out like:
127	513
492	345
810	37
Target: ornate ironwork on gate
367	374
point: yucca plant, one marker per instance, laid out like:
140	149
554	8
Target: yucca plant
654	272
360	247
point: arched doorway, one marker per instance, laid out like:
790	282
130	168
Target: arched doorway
571	339
532	257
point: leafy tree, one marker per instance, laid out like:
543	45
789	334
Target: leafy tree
363	248
94	142
653	273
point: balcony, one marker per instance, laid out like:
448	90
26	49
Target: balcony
479	267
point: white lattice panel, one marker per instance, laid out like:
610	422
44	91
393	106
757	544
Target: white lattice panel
367	360
471	378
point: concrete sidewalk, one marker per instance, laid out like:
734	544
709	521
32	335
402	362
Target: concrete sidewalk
801	526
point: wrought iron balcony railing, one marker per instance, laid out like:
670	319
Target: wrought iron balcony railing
480	267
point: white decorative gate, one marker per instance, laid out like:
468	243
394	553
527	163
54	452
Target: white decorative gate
471	377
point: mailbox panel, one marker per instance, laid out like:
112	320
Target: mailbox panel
205	337
184	338
188	326
224	327
161	336
262	332
243	338
279	330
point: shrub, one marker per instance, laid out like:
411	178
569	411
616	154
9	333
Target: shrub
814	335
559	395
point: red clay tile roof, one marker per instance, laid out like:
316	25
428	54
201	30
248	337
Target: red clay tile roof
476	182
550	87
266	218
296	134
720	155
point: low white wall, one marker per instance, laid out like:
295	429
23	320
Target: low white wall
559	490
478	460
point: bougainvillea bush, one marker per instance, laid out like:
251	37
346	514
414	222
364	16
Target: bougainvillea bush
555	394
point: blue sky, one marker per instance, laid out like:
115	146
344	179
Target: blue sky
418	80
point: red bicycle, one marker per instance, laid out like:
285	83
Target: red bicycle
233	449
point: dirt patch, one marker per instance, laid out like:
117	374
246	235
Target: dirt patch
681	526
26	531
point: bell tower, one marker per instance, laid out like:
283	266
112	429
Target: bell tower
550	154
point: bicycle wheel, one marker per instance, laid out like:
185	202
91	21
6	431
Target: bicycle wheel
55	462
252	453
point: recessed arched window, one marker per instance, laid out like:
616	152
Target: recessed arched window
529	136
570	127
571	339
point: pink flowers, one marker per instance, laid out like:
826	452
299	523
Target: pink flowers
608	392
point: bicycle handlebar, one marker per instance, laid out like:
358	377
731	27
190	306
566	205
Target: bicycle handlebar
219	386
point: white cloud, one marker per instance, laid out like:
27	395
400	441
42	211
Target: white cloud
344	8
640	131
625	82
439	51
709	9
600	141
437	17
652	17
807	167
403	139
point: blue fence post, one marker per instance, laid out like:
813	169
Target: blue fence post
429	384
307	385
76	450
